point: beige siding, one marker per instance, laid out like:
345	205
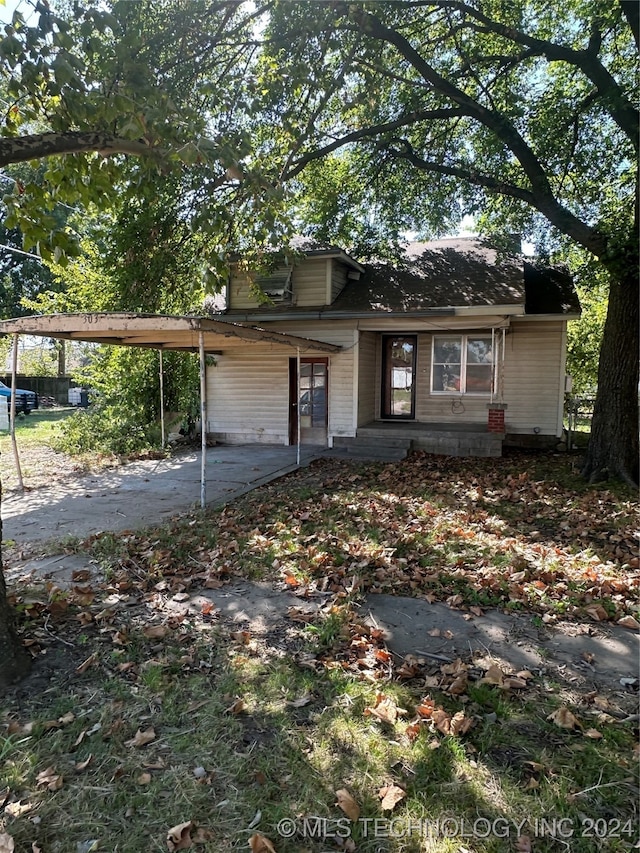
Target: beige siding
342	414
248	396
533	376
239	292
338	278
443	408
368	381
248	389
309	285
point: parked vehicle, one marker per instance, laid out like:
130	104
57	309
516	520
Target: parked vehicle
26	401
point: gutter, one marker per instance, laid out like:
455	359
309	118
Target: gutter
237	317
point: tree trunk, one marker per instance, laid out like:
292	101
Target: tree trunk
15	661
613	446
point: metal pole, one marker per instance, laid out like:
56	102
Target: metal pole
495	363
161	402
298	403
203	431
12	415
502	365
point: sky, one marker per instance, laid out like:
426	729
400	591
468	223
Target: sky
7	8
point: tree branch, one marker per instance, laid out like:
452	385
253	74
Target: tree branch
406	152
367	132
18	149
618	105
542	196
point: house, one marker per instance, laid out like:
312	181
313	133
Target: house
455	350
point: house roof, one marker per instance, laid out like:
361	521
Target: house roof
453	273
439	277
158	331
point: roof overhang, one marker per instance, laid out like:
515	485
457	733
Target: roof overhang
156	331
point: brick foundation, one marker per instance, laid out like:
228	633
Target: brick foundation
496	417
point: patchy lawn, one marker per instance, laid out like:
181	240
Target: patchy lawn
148	726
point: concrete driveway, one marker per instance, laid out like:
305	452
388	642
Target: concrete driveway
142	493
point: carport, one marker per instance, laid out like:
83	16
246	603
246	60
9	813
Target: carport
197	334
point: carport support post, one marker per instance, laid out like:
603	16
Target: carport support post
12	414
203	432
161	401
298	405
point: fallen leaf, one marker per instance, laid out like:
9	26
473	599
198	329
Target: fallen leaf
413	730
426	707
523	844
155	632
513	683
6	843
594	734
459	685
345	801
141	738
494	675
50	778
144	779
82	765
390	796
597	613
243	637
564	719
385	709
17	809
67	718
260	844
237	707
179	836
301	701
460	724
629	622
441	720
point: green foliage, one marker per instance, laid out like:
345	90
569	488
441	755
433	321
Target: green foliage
584	338
106	427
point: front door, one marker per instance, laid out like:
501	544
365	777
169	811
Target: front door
398	372
308	401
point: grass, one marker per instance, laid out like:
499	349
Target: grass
258	733
299	736
37	428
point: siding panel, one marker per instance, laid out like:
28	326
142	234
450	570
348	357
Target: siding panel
309	283
533	384
248	389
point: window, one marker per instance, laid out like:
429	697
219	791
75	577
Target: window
461	364
276	286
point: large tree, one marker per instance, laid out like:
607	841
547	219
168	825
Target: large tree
519	113
112	99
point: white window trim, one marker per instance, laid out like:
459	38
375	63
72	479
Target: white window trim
463	366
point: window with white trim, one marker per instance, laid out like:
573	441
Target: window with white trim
462	364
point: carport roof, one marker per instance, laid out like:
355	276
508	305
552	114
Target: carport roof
157	331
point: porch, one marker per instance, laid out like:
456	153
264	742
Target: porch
395	440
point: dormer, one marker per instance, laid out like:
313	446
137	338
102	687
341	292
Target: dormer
313	279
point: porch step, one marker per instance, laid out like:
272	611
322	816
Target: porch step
388	449
441	439
478	444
